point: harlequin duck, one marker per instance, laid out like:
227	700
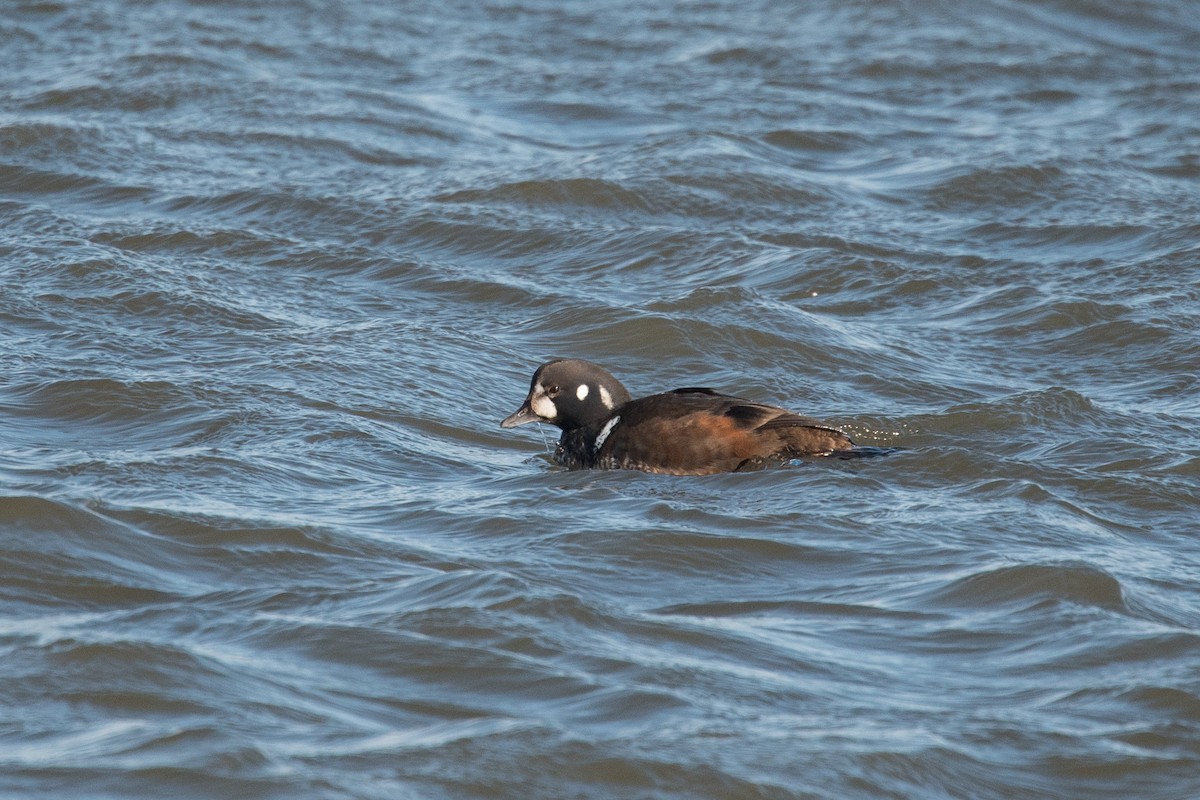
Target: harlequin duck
682	432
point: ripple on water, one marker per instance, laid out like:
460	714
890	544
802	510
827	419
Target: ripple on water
1025	586
273	275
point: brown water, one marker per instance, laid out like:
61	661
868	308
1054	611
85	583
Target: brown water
271	273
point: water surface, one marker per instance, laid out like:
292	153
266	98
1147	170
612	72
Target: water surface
272	272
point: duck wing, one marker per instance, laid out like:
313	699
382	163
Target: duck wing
698	431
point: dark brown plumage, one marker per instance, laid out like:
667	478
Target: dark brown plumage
683	432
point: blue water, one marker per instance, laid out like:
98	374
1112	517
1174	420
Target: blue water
271	273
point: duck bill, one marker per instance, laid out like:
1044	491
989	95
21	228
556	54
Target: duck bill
522	416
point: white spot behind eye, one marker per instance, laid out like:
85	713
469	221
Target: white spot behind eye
605	398
582	391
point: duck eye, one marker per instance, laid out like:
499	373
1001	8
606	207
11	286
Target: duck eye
552	391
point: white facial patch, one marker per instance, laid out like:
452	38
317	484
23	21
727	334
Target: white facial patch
542	405
605	431
605	398
582	391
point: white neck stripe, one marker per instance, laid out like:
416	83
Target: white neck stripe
602	436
